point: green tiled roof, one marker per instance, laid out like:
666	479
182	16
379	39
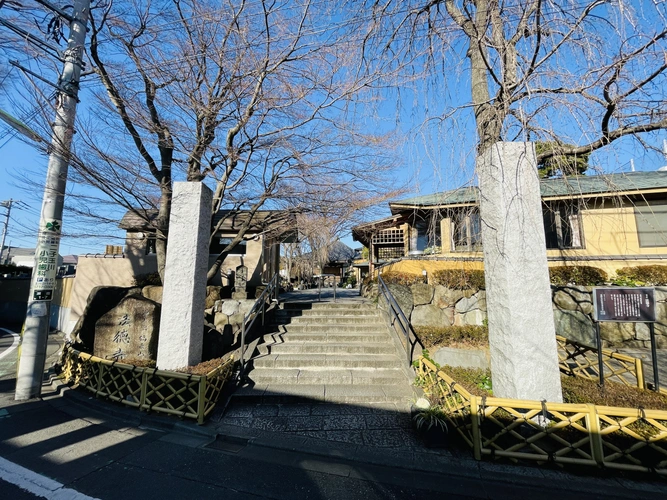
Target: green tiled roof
570	186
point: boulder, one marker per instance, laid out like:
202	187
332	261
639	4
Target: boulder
100	301
129	330
212	294
573	298
576	326
153	293
446	297
421	293
429	315
214	346
471	310
403	296
617	333
642	332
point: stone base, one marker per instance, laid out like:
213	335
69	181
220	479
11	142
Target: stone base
239	295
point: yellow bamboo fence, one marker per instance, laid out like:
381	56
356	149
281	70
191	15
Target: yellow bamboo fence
149	389
619	438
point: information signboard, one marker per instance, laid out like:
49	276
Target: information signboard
618	304
46	260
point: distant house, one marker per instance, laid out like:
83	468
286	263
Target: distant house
68	267
22	257
606	221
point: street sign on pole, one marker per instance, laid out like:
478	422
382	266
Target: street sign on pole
32	351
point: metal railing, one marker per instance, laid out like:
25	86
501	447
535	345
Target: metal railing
400	323
269	294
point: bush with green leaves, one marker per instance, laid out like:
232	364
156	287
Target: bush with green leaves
459	279
654	275
577	275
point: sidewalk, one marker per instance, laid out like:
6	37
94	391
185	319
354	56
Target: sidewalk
109	452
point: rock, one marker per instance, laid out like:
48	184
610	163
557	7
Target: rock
212	294
403	296
642	332
573	298
129	330
220	320
214	347
429	315
100	301
471	311
575	325
153	293
617	333
446	297
230	307
240	295
421	293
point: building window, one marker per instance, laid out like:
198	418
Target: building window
150	245
427	236
562	227
651	224
467	231
219	244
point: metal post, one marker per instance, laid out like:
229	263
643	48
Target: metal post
654	358
32	351
8	205
599	344
242	360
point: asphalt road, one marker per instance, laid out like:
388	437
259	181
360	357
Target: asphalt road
9	340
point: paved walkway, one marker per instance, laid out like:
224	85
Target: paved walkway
111	452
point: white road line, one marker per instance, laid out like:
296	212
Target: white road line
14	345
37	484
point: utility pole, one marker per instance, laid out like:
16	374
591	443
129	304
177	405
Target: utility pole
32	350
8	205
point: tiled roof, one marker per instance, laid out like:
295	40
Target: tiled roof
142	220
571	186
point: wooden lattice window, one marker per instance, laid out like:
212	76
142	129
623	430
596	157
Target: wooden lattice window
390	253
388	236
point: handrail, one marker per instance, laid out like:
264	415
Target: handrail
397	315
269	291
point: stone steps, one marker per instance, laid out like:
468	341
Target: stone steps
332	361
327	375
295	347
321	393
329	371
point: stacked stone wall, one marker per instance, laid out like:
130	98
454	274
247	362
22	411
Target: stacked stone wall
435	305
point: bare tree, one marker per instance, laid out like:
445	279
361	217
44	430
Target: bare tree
578	75
249	95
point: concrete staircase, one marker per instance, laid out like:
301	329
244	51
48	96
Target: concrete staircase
321	364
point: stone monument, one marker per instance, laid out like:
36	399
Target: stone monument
184	293
522	337
129	331
240	283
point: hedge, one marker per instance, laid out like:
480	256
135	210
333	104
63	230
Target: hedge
577	275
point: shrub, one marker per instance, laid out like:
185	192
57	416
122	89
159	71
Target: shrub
399	278
647	275
443	336
147	279
577	275
459	279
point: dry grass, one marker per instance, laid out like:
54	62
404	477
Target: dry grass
204	367
463	337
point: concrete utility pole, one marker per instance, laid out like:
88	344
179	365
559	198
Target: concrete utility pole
32	350
8	205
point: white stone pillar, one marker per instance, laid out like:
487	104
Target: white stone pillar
182	321
524	358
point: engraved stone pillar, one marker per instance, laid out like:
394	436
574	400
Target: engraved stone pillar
524	359
184	294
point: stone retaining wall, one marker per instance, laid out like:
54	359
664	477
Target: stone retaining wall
435	305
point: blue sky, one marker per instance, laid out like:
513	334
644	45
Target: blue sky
433	155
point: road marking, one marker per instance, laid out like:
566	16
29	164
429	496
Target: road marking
37	484
14	345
